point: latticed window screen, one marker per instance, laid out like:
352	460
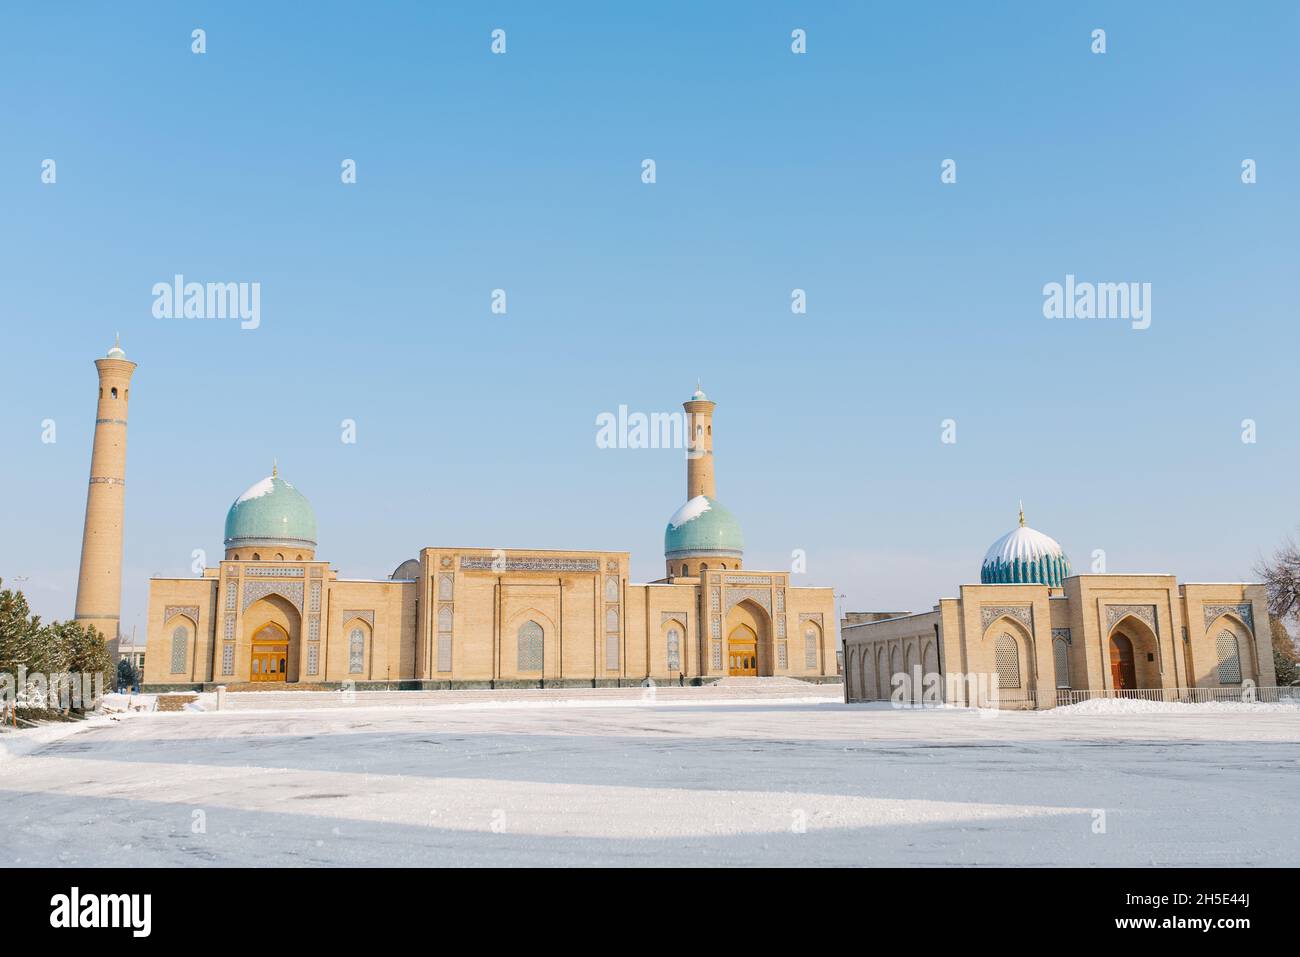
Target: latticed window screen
810	648
674	649
444	652
1229	659
529	651
228	659
1061	651
716	655
1007	656
782	655
356	652
611	652
180	643
313	659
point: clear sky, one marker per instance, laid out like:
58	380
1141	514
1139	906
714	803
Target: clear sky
775	171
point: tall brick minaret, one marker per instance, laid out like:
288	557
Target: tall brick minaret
699	455
99	585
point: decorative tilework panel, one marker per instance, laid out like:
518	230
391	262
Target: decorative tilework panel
444	618
782	656
356	652
262	571
190	611
313	659
1229	658
1021	613
611	618
530	646
761	596
715	599
444	653
232	595
313	628
674	649
611	652
1007	656
292	591
749	580
180	648
810	648
668	616
1246	612
365	614
446	583
1143	613
1063	634
229	629
780	626
611	589
228	658
780	599
716	655
484	563
314	603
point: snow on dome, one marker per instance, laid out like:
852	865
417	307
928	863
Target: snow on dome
1025	556
690	511
258	489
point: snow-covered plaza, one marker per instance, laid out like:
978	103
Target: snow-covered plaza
762	774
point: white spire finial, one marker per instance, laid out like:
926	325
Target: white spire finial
1022	513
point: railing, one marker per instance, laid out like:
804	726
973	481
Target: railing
1019	699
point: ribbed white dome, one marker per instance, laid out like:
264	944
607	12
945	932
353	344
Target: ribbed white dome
1025	556
1023	543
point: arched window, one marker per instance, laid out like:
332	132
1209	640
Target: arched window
611	619
674	649
236	556
704	566
611	589
530	646
1229	658
810	647
279	557
256	557
114	391
180	648
1007	656
683	569
356	652
444	618
1061	651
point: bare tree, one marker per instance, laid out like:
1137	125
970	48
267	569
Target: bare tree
1281	576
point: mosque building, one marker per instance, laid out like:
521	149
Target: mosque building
274	613
1033	635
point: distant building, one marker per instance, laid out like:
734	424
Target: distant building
1032	635
274	613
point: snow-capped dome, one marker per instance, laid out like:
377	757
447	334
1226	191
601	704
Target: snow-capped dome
271	512
1025	555
703	527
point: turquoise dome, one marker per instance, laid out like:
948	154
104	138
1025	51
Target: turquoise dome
703	527
1025	556
272	512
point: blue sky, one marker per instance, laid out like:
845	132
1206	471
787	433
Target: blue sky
775	172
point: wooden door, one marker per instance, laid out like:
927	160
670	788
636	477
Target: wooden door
742	653
1123	672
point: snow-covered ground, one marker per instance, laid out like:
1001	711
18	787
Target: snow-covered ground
739	774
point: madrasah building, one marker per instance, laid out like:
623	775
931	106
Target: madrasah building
275	614
1033	635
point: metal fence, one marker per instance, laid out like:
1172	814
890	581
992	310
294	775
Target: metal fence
1063	697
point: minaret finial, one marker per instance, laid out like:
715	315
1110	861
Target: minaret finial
275	473
1022	513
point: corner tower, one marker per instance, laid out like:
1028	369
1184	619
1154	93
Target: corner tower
99	583
701	534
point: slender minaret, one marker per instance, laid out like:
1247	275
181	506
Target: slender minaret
99	585
699	455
